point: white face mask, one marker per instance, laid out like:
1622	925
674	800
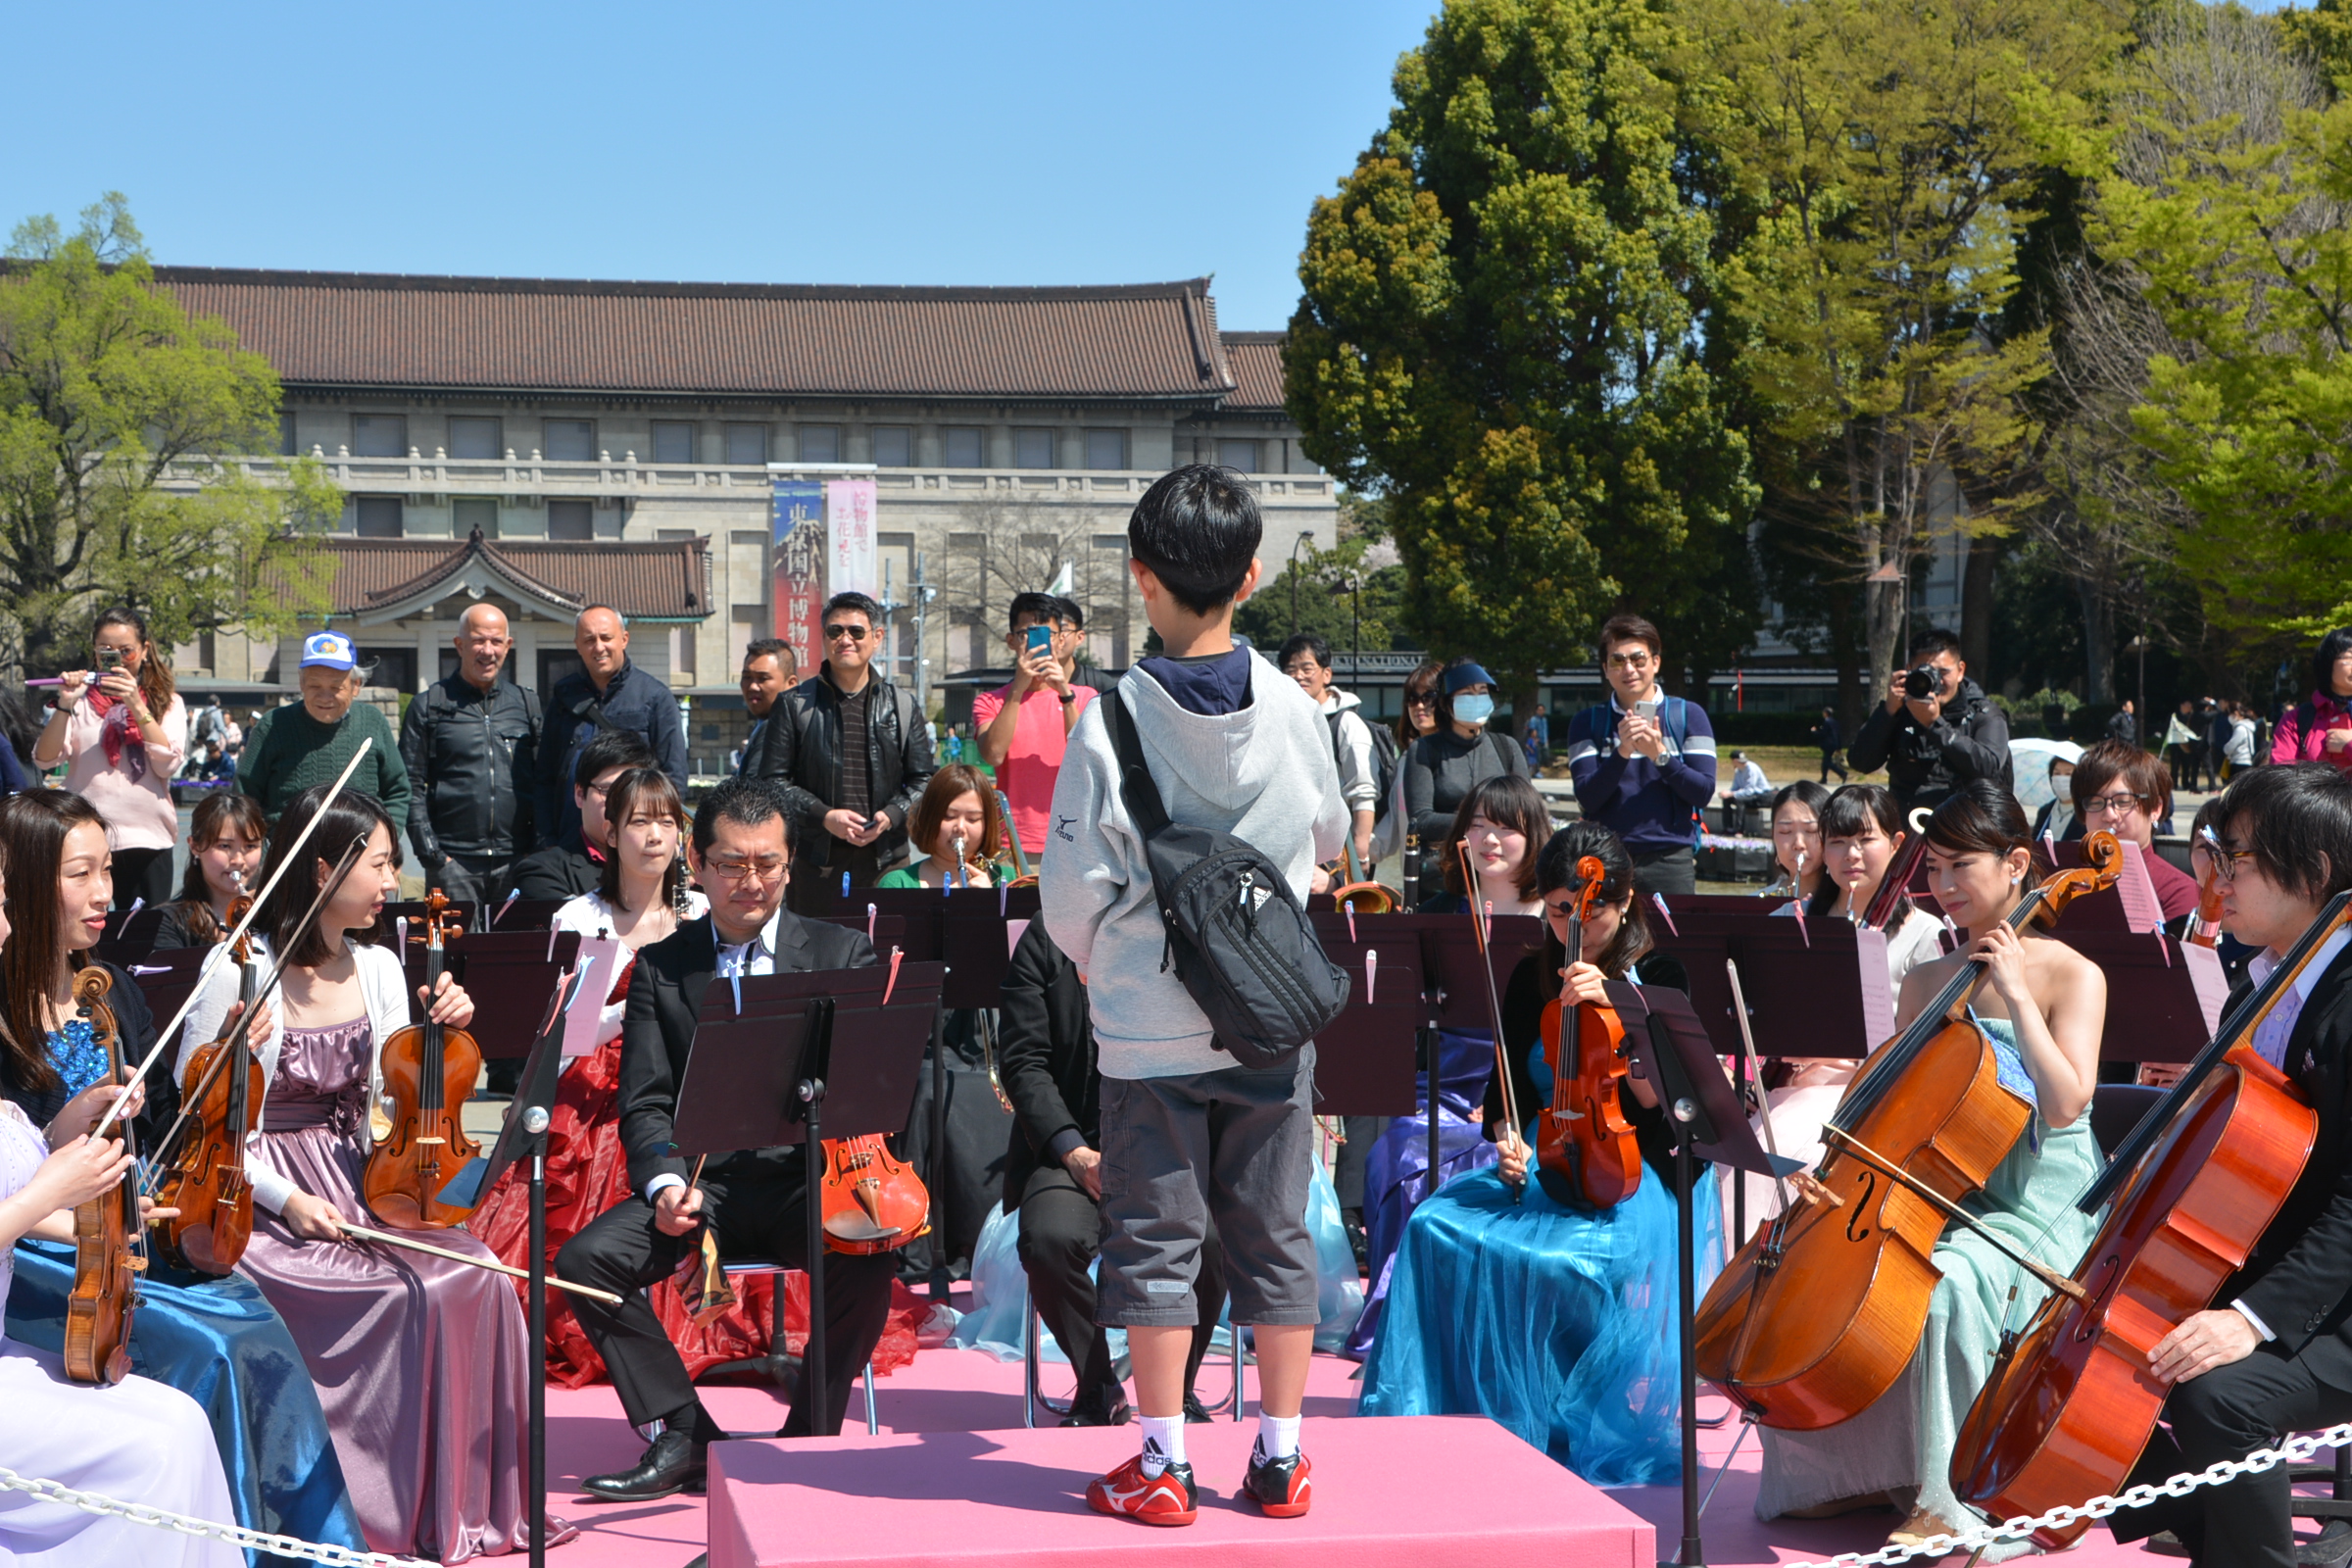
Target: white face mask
1475	709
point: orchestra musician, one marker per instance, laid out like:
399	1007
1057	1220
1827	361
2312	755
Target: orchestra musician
217	1339
420	1361
227	836
2274	1353
2043	1007
752	1198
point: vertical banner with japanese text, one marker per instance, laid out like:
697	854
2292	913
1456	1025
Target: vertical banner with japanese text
850	537
798	553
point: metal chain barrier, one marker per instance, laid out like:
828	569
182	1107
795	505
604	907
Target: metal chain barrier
235	1534
2295	1450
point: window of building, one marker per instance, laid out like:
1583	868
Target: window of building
893	446
395	668
960	448
673	441
376	517
747	444
820	443
475	437
1033	449
469	512
285	435
1239	454
1106	449
571	519
379	435
682	652
570	440
555	663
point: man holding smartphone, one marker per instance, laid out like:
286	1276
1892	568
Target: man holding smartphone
1644	763
1024	725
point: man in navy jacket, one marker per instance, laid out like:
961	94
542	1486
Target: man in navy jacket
1644	763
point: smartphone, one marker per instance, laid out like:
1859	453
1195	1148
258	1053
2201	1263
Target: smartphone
109	658
1646	708
1040	639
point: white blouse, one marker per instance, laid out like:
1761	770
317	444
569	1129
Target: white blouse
591	916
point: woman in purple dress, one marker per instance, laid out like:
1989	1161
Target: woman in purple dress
421	1362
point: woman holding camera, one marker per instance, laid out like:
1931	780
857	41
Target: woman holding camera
122	730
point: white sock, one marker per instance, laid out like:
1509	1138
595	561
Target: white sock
1277	1435
1163	1442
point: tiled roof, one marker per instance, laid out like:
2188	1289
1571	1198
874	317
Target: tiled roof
1256	359
353	330
665	579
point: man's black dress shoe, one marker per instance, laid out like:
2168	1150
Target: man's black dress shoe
673	1462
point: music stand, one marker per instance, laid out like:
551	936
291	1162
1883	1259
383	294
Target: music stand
2128	905
165	979
1364	1060
763	1071
1671	1052
525	914
130	935
509	974
2164	998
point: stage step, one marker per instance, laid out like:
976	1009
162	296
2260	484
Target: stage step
1421	1491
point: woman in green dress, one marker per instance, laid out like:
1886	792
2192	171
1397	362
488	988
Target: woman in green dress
957	814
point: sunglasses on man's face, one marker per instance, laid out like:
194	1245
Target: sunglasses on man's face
854	634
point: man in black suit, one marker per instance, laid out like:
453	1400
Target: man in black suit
741	850
2274	1354
1053	1175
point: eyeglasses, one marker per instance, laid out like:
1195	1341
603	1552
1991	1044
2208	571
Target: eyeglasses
856	634
2115	805
768	869
2224	860
1635	660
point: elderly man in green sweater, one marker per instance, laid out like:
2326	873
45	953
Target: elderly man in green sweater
308	743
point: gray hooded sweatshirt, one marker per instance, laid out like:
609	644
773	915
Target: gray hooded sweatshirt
1264	774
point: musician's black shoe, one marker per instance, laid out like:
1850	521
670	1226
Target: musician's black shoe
673	1462
1108	1407
1195	1412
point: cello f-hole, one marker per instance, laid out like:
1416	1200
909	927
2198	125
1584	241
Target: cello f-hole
1855	1230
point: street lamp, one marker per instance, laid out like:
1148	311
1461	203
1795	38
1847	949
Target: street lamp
1306	536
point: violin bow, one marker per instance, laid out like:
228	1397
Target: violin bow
163	1035
1486	965
390	1238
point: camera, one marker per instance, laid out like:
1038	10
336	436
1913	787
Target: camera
1922	684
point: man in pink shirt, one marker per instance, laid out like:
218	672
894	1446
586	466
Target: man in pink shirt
1025	724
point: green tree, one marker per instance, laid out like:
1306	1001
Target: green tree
122	419
1502	332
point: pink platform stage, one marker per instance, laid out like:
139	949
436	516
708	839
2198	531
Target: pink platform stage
1418	1493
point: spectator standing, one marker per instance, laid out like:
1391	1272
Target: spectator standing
1930	745
122	730
1416	717
2119	789
1307	659
470	744
2124	724
2319	729
608	692
2184	744
307	743
770	668
1644	762
852	757
575	862
2238	751
2220	728
1457	753
1829	735
1024	725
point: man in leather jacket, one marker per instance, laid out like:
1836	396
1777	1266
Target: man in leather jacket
852	755
1931	746
471	742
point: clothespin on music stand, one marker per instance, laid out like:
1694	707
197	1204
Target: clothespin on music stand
1664	913
869	924
1796	905
892	984
1371	973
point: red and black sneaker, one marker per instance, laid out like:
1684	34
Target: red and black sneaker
1166	1498
1280	1486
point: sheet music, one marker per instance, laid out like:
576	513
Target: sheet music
595	966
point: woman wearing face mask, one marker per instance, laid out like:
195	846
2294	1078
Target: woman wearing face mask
1457	752
421	1362
1797	840
1543	1314
227	835
121	732
2043	1007
216	1339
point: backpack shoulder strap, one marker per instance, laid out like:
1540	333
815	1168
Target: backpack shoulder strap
530	707
1674	717
1505	749
1144	804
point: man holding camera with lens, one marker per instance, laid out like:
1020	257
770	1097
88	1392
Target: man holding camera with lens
1935	731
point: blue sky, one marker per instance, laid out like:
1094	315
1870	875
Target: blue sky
1039	142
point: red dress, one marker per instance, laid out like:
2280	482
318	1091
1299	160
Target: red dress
587	1174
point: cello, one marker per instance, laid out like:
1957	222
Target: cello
1821	1309
204	1155
2070	1401
1585	1148
109	1243
429	1071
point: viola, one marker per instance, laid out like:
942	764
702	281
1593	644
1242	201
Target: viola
1585	1148
872	1200
204	1158
2071	1403
1821	1309
430	1073
109	1245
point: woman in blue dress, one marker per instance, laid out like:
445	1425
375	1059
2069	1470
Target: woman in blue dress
217	1340
1550	1317
1503	823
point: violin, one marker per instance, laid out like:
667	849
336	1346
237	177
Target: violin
1585	1148
429	1071
2070	1403
872	1200
1821	1309
203	1156
109	1243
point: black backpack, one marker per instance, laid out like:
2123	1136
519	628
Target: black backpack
1240	942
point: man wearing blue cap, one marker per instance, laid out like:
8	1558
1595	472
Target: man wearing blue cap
307	743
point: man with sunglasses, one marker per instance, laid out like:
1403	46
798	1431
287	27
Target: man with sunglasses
852	756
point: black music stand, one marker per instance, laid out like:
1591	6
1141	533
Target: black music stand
1365	1059
2164	999
1671	1052
763	1072
165	980
523	1136
524	914
509	975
